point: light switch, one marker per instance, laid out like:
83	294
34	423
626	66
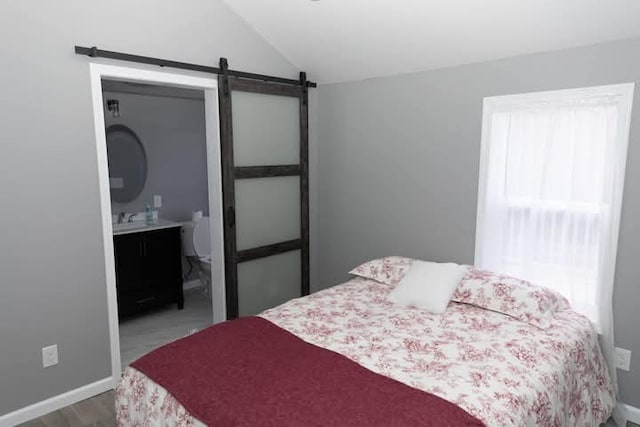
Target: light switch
49	356
623	358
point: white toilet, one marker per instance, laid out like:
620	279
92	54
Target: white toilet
196	245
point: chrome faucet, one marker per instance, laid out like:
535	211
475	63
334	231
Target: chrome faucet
120	217
131	217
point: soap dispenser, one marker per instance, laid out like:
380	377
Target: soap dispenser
148	214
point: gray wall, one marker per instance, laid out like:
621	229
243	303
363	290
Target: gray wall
397	167
51	259
172	131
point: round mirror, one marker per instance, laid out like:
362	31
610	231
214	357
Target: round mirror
127	164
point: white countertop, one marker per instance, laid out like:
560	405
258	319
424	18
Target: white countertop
141	226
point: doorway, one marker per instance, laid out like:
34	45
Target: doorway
209	86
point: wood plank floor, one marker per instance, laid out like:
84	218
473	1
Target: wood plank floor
98	411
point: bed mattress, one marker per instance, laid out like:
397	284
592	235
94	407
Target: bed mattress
500	370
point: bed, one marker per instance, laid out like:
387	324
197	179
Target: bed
498	369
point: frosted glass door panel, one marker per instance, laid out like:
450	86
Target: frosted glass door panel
267	211
266	282
266	129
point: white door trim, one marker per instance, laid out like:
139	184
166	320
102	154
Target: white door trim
210	86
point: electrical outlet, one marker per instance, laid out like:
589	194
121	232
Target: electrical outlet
623	358
157	201
49	356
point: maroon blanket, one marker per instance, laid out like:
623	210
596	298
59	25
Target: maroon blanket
250	372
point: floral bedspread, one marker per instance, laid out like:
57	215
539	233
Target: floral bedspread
500	370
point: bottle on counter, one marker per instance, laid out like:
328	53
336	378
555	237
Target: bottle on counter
148	214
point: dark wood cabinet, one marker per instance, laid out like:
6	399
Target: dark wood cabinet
148	270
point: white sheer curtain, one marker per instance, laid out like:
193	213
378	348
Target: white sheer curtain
550	195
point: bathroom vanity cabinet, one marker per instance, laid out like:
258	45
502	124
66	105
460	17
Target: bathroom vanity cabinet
148	269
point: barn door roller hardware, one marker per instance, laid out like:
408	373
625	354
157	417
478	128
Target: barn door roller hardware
94	52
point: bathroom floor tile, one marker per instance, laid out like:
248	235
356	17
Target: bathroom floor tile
141	334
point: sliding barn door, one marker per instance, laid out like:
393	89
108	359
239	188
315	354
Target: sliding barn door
264	137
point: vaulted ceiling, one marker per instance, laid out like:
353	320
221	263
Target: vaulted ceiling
341	40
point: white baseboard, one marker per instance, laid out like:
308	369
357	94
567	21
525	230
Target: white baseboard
191	284
56	402
73	396
632	413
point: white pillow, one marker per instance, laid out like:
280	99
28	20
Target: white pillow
428	285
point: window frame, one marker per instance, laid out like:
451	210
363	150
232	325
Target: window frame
624	92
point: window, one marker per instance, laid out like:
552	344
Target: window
551	177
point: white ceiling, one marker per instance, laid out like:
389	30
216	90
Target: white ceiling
341	40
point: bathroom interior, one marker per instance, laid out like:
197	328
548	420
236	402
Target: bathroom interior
157	158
